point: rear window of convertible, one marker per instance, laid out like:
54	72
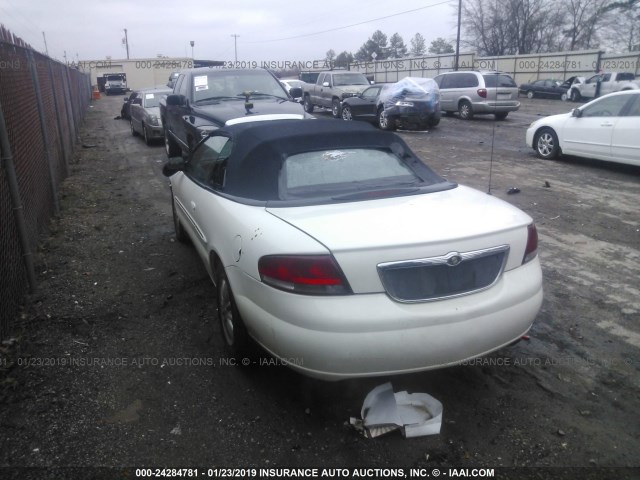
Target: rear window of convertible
345	171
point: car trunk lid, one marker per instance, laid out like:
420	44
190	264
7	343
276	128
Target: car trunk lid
367	238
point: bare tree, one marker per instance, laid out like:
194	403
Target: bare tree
513	26
622	26
583	18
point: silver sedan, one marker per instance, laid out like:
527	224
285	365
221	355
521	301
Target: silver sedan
145	114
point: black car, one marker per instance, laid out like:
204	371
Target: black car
547	88
411	103
125	111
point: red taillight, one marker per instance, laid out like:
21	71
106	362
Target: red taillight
532	244
306	274
482	92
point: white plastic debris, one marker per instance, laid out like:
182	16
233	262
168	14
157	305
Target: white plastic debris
415	414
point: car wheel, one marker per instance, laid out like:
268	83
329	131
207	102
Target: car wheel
170	146
308	106
563	97
575	95
181	234
346	113
133	130
465	110
145	133
384	122
335	108
501	115
546	144
530	94
234	333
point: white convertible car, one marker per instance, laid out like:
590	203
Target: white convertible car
332	244
607	128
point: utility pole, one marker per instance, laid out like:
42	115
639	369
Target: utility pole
192	43
65	57
455	67
235	43
126	42
46	49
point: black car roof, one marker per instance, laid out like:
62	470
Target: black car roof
260	149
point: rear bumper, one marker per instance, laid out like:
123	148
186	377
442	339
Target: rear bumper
496	107
335	338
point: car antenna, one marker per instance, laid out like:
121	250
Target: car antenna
493	137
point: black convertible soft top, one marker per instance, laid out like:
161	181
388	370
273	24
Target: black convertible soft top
260	149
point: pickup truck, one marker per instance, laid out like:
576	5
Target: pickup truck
115	83
331	88
609	82
205	99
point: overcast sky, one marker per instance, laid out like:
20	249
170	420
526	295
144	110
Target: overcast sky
93	29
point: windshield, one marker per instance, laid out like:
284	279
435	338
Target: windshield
350	79
153	99
232	84
114	78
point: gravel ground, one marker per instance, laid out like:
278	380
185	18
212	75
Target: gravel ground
115	363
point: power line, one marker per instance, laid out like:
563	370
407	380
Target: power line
352	25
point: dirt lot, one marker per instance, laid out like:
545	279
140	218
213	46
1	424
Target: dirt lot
115	362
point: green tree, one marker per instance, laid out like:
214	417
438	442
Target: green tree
440	46
344	59
397	48
376	44
418	45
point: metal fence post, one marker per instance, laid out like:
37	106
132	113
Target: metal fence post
65	154
18	209
43	129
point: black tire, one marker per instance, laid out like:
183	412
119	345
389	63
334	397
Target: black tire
346	113
170	146
181	234
384	122
234	333
546	144
575	96
465	110
501	115
133	131
145	134
530	94
564	97
308	106
336	108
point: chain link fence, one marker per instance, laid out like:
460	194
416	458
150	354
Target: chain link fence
42	103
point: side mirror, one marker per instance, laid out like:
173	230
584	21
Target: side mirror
325	84
173	165
372	82
175	100
576	112
295	92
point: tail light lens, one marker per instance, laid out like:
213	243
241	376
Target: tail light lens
304	274
482	92
532	244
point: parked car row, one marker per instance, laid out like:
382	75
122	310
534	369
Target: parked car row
332	242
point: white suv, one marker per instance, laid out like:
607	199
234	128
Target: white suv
478	93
